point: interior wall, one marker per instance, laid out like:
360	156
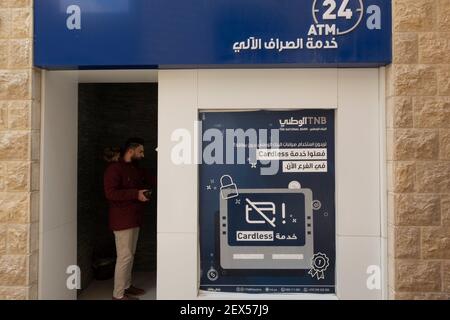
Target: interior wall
108	115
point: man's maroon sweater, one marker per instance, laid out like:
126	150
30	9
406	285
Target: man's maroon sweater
122	182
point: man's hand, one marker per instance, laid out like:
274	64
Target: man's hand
142	197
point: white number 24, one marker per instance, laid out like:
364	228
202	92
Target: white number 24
342	12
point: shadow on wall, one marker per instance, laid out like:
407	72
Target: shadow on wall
108	114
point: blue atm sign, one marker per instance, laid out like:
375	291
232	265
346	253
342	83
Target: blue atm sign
89	34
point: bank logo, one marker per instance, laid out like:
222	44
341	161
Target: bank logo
303	121
347	13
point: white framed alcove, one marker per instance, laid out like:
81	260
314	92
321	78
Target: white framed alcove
357	95
58	172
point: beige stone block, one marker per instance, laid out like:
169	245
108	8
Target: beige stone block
414	80
34	237
33	292
436	242
401	112
407	242
406	48
18	239
443	75
14	145
15	85
421	296
432	112
416	15
443	16
404	176
3	237
3	115
19	115
4	54
13	270
20	53
437	296
5	23
403	115
37	81
418	276
2	176
433	177
14	208
34	206
434	47
446	272
35	176
445	209
417	210
409	296
13	293
414	144
21	23
35	145
33	267
444	144
16	3
18	176
35	115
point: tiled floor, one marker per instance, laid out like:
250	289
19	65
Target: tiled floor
102	290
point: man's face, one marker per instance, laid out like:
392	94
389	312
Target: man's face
138	153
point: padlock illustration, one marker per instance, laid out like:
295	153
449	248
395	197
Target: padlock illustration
228	188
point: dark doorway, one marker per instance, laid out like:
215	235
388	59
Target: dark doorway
108	115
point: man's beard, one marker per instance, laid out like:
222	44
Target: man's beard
135	160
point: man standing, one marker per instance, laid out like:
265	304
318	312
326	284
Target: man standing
126	187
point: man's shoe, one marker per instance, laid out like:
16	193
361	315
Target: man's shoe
133	291
125	297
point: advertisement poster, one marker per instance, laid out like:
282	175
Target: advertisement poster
267	201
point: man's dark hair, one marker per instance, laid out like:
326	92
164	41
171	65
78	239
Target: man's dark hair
110	152
133	143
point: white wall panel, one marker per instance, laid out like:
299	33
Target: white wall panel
58	212
358	153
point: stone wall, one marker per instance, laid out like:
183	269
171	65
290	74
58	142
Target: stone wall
418	122
19	153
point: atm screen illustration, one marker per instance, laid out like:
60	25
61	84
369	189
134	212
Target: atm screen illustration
266	229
